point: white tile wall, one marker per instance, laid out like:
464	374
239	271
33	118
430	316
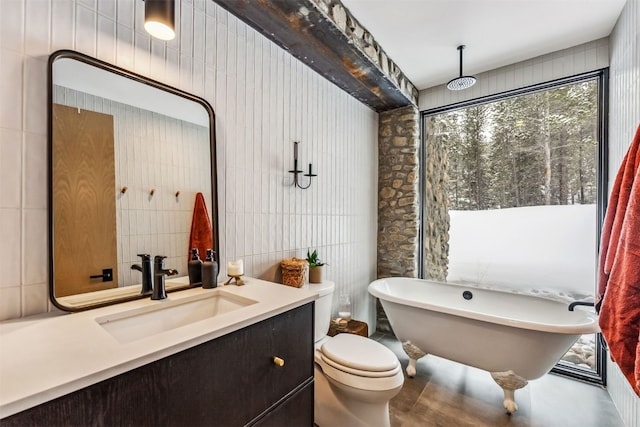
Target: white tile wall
624	118
263	98
10	167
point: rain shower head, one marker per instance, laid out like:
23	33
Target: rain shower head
462	82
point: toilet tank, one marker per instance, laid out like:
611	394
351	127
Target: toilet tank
322	307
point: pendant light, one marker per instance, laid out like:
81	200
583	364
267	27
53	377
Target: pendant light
159	18
462	82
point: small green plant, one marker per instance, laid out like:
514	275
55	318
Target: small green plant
313	260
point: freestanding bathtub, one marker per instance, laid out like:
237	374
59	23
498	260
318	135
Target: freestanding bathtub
515	337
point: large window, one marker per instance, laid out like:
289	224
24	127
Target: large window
524	192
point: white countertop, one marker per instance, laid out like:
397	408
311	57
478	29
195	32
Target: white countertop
45	357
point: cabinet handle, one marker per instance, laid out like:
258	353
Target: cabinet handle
278	361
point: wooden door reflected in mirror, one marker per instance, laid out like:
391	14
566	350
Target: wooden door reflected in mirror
83	187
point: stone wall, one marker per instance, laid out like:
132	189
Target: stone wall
399	200
398	196
436	205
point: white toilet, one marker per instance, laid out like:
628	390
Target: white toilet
355	377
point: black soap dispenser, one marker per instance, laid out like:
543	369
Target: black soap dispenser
209	271
195	268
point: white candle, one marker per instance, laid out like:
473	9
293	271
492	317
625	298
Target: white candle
346	315
235	268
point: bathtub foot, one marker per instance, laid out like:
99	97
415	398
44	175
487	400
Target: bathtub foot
510	382
414	354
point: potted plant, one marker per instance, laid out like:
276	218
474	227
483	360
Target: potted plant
315	267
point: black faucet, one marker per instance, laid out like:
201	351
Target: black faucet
573	304
145	268
159	272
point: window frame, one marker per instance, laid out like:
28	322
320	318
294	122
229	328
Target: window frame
602	77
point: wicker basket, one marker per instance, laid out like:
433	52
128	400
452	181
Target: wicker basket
293	271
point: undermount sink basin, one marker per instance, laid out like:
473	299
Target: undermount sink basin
163	316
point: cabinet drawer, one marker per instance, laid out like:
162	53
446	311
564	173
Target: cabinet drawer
296	411
251	367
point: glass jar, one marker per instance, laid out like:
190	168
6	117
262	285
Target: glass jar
344	307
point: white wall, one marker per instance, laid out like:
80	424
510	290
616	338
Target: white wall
624	118
264	100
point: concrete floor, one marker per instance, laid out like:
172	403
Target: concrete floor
448	394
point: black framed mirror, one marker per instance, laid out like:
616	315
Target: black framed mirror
127	158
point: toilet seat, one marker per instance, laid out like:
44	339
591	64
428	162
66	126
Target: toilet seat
359	382
360	363
358	372
360	354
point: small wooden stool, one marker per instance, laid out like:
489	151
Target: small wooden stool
355	327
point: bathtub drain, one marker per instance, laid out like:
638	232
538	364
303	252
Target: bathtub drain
467	295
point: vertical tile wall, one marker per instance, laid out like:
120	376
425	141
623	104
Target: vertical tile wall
158	223
624	118
264	99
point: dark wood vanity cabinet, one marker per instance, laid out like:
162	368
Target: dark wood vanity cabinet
229	381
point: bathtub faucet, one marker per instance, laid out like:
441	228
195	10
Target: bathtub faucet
573	304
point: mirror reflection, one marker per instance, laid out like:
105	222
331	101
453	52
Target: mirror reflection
128	156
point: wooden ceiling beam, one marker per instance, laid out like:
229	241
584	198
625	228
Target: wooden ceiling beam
323	35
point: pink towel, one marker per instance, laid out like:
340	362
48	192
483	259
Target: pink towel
201	231
618	298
